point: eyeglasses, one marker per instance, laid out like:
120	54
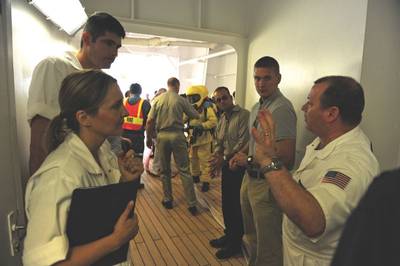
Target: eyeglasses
223	98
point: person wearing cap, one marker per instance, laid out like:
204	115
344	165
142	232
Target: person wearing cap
135	123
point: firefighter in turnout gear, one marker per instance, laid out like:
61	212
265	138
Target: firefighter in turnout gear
201	135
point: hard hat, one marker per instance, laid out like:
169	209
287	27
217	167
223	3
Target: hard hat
196	95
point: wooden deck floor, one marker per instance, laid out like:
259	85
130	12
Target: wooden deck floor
175	237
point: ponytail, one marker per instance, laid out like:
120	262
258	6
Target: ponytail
56	133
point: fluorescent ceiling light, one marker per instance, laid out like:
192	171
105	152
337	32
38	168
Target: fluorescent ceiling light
67	14
205	57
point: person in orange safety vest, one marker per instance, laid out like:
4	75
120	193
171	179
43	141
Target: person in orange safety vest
134	124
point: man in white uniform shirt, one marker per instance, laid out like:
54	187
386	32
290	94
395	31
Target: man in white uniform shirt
101	39
334	174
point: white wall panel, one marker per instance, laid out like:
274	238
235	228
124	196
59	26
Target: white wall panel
179	12
119	8
221	71
217	15
310	39
225	15
381	80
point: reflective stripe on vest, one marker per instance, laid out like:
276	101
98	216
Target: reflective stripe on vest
134	120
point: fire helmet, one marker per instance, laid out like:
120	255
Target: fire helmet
196	95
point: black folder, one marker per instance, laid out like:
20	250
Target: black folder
94	212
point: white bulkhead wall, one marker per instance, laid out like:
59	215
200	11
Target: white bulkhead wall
310	39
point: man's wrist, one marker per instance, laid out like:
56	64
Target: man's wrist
274	165
265	161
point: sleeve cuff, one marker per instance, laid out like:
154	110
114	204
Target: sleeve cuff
329	203
49	253
42	109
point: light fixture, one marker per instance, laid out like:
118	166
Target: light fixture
205	57
69	15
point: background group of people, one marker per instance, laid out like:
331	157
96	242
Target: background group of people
291	218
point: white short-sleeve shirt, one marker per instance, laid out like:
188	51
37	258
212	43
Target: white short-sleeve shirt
48	196
46	82
337	176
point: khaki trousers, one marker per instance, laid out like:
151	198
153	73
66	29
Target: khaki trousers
262	221
169	142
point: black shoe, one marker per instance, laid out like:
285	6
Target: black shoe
193	210
205	187
196	178
167	204
219	242
141	186
227	252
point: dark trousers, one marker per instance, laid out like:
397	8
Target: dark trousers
231	183
137	139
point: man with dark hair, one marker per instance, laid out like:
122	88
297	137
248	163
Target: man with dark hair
345	94
135	123
232	134
262	218
100	41
335	172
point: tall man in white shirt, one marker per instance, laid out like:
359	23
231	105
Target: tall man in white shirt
101	39
334	174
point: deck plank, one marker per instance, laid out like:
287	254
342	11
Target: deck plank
148	240
165	253
184	250
135	255
145	254
175	237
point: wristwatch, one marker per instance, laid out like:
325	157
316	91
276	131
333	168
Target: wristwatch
274	165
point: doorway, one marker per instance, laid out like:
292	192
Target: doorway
150	60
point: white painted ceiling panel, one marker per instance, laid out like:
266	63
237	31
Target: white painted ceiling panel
179	12
118	8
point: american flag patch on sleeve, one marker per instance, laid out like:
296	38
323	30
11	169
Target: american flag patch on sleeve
336	178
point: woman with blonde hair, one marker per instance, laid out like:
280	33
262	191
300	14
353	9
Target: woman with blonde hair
91	109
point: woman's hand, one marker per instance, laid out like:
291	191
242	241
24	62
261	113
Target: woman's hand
131	167
126	227
264	138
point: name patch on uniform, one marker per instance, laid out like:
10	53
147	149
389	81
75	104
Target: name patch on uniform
95	174
336	178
